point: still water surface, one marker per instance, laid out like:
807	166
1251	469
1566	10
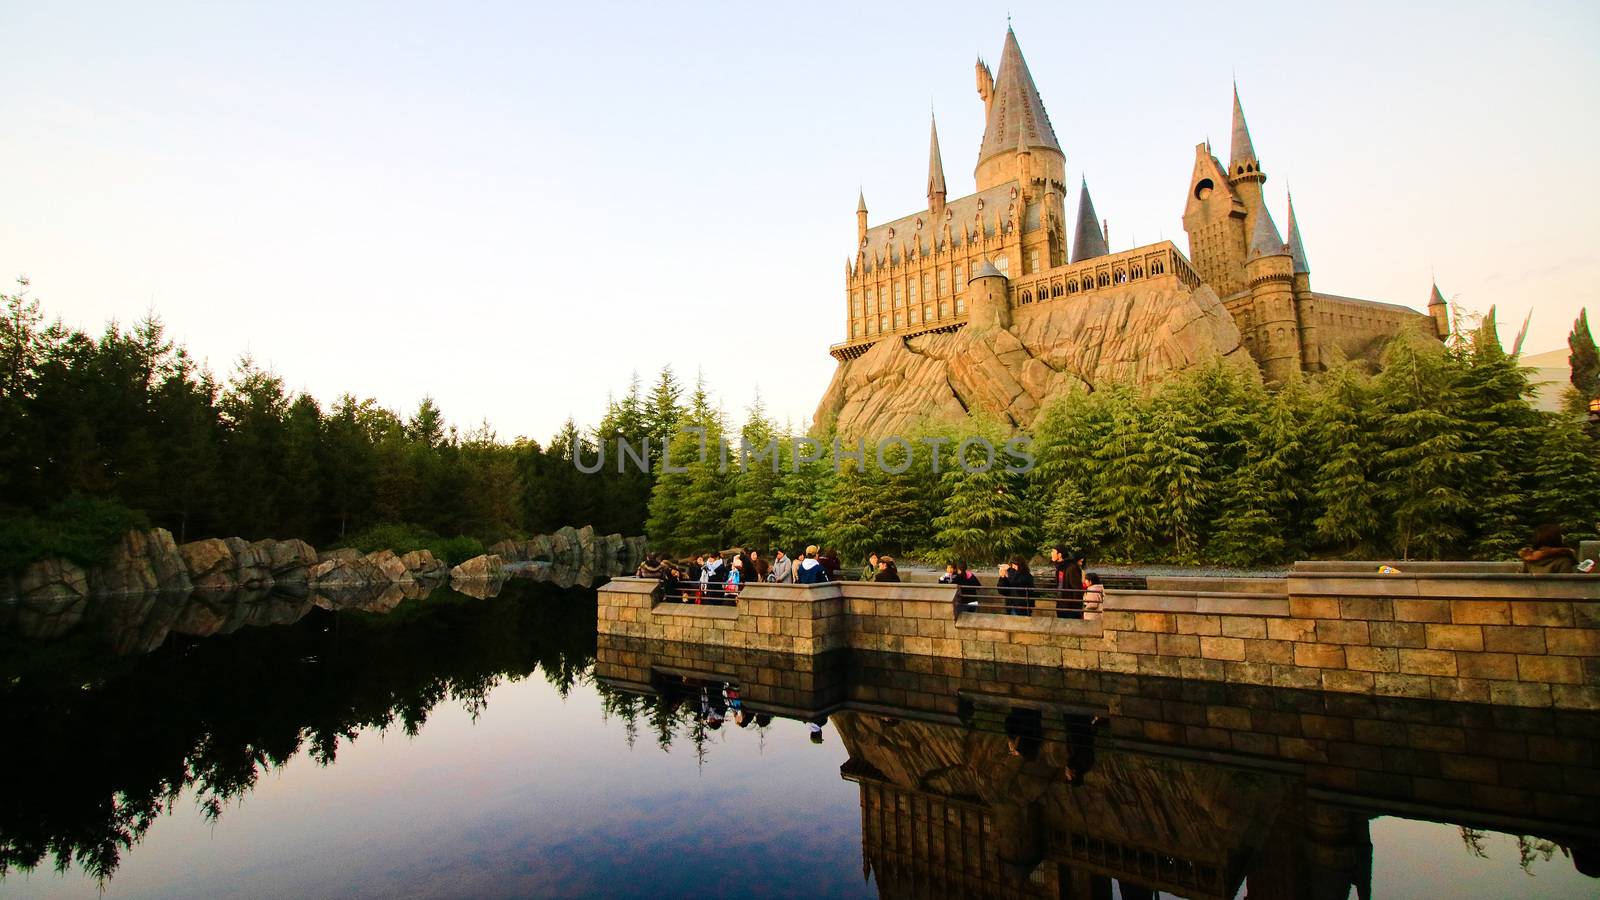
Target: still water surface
469	747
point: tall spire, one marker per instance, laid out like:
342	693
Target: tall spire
1088	241
1243	153
1297	247
1016	114
935	166
861	201
1265	240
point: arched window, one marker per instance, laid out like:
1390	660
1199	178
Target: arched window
883	323
1120	276
1157	267
1136	272
1055	289
1027	296
927	312
1102	280
1072	286
961	283
944	308
899	319
961	306
913	315
855	328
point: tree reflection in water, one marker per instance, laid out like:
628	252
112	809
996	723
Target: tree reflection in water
99	746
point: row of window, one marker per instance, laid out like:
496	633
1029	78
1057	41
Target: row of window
1091	281
884	323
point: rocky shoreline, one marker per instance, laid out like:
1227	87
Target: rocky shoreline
150	585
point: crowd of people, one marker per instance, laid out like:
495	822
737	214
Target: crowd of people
718	578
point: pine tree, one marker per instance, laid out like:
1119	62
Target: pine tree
1566	479
1344	485
662	414
986	514
756	486
1426	449
1264	493
1177	462
1126	486
1503	434
1584	358
803	492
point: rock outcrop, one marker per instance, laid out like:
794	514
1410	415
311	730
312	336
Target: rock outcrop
1138	335
486	566
290	561
252	563
142	562
210	564
422	564
52	596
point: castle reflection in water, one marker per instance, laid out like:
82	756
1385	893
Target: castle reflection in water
988	779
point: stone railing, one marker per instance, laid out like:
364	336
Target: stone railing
1102	273
1507	639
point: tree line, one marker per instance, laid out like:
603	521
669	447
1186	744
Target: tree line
126	429
1436	455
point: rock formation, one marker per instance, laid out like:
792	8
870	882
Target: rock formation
211	565
1010	371
486	566
52	596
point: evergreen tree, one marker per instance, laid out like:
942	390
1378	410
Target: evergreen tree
1566	479
662	414
987	516
1584	358
1344	484
1427	448
1503	433
755	496
802	494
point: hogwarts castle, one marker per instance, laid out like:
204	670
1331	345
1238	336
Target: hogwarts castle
982	303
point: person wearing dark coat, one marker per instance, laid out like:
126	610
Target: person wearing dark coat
1549	554
810	571
886	570
1068	583
1016	587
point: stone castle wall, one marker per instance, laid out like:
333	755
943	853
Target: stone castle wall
1503	639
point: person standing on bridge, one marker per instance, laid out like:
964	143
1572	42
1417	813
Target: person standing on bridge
810	571
782	568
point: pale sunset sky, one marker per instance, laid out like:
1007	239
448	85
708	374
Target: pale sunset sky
512	208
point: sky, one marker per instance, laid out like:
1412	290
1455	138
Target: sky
513	209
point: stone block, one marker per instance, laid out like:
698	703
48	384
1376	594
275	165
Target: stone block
1421	610
1552	614
1189	623
1572	641
1201	669
1132	641
1462	690
1156	622
1178	644
1222	648
1313	608
1291	629
1346	681
1256	673
1480	612
918	645
1044	656
1119	621
1388	684
1397	634
1549	669
1280	652
1342	631
1119	662
1320	656
1572	696
1519	693
1455	637
1010	653
1296	677
1372	659
1502	666
1234	717
1513	639
1160	666
1427	662
1373	609
1243	626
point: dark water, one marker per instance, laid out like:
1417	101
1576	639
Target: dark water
454	746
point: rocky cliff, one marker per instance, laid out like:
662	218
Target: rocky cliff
1011	370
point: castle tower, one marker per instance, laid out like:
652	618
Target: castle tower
1088	241
987	302
1214	217
1439	311
861	218
1244	169
1015	116
936	189
1304	303
1272	329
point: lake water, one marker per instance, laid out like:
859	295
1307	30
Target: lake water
487	747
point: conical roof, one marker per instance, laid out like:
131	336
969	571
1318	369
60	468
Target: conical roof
1016	115
1242	152
987	270
1088	241
861	201
1437	299
1297	247
935	162
1264	238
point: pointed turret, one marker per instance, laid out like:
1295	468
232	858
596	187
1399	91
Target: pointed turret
1242	156
1016	116
1439	311
1264	239
1088	241
861	218
1297	247
936	189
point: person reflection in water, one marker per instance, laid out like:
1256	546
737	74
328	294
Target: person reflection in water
1080	746
1024	732
815	727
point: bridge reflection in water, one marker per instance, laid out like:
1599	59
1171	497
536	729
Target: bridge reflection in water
988	779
